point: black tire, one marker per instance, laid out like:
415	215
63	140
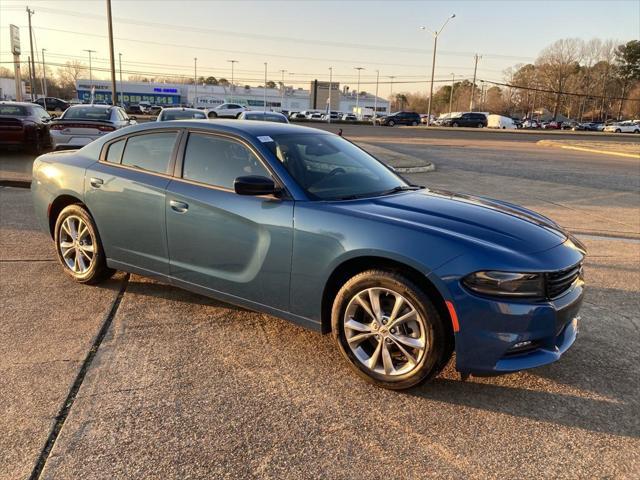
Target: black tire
212	115
618	131
391	123
37	147
98	270
437	350
454	124
414	124
480	125
238	115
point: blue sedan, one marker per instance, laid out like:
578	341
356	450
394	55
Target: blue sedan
304	225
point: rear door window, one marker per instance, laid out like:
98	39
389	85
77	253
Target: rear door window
114	152
151	152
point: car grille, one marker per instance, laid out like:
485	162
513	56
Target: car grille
10	124
561	281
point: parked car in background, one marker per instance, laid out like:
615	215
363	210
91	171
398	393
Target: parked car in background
623	127
501	122
314	115
168	114
569	125
53	104
79	125
531	124
586	126
297	116
333	115
263	116
227	110
154	110
498	284
467	119
552	125
134	109
400	118
349	117
24	125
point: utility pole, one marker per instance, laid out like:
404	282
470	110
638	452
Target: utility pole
282	90
121	90
391	93
473	85
32	65
264	90
195	81
30	77
112	59
453	81
330	88
359	69
90	71
232	62
375	100
433	61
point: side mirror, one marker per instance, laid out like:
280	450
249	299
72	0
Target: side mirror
254	185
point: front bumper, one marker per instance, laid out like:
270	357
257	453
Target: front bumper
503	335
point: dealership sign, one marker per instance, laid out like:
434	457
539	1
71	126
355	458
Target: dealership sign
15	39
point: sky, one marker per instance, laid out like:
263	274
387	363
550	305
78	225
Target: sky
305	38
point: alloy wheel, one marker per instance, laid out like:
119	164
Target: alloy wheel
77	244
385	332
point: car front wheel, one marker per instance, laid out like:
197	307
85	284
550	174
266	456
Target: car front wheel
78	246
480	125
454	124
389	330
391	123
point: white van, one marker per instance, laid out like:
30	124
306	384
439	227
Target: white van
500	121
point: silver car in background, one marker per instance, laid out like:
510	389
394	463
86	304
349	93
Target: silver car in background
79	125
264	116
180	113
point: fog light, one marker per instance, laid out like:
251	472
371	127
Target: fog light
522	344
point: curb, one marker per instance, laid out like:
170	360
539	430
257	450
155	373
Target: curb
15	183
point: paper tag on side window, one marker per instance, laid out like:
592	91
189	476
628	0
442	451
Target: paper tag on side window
265	138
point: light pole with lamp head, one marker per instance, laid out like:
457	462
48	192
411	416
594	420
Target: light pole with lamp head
433	61
232	62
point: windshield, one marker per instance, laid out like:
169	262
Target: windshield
87	113
14	110
182	115
329	167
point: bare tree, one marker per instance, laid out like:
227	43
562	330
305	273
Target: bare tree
556	64
71	72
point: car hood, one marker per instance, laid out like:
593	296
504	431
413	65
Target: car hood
479	220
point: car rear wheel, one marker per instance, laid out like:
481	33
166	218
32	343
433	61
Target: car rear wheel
413	124
212	115
389	330
391	123
78	246
618	130
480	125
454	124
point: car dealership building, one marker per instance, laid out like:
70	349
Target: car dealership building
210	96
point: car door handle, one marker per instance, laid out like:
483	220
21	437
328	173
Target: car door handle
96	182
179	207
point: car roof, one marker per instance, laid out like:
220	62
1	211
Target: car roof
17	104
238	127
91	105
182	109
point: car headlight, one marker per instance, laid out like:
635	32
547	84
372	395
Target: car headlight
506	284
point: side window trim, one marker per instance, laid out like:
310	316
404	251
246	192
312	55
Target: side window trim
180	134
179	164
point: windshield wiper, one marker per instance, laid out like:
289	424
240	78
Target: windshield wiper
400	188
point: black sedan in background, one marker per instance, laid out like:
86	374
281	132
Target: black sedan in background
24	125
400	118
53	104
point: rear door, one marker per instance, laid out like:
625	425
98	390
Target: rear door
125	192
233	244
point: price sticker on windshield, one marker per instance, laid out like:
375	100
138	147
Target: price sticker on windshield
265	139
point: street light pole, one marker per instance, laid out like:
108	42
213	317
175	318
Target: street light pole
264	90
282	90
121	91
112	60
391	93
433	61
359	69
453	81
44	78
375	99
195	81
90	70
330	88
32	65
232	62
473	85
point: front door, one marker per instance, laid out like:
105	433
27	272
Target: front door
233	244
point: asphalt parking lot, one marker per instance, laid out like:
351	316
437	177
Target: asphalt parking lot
182	386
